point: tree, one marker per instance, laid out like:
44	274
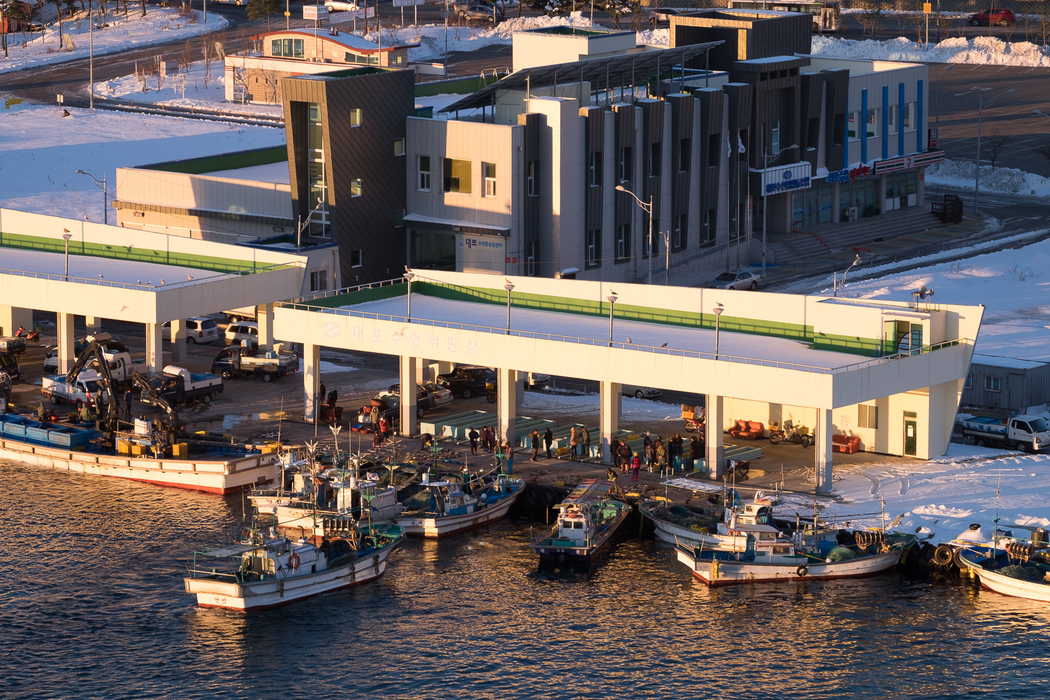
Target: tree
870	18
1043	149
17	14
617	8
260	8
993	145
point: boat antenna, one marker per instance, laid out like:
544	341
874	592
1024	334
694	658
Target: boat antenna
279	420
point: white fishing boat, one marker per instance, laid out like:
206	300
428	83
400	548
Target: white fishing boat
874	553
679	524
444	508
587	520
264	572
337	502
1011	568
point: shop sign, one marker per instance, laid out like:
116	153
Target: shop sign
787	178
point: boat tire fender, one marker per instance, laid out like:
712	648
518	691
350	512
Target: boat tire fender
943	555
801	571
293	561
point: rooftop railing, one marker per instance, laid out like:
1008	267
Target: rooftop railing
149	285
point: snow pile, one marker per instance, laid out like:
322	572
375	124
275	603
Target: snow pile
157	27
980	50
962	173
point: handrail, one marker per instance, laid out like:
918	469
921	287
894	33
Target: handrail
148	287
554	337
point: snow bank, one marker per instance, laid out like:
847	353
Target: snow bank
980	50
962	173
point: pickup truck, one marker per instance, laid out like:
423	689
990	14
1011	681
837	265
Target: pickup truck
12	346
237	361
58	391
177	385
121	364
1022	433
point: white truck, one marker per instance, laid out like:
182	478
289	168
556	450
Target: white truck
177	385
121	364
58	391
1022	433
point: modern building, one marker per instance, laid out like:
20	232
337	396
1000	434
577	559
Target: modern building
1006	384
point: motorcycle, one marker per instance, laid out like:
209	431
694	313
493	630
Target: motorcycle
789	433
694	422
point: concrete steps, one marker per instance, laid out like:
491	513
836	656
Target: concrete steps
838	238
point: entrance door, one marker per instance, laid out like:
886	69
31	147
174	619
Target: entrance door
911	434
1015	391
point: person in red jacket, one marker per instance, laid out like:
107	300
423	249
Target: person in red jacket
636	466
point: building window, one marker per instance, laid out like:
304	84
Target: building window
399	147
317	172
288	48
625	164
909	116
891	120
531	187
969	381
399	218
868	417
623	243
655	151
356	258
398	59
594	169
355	117
455	176
594	249
854	119
774	138
355	187
488	172
993	383
684	154
424	173
873	123
678	235
318	280
530	258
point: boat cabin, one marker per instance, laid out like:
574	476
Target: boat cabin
574	525
448	498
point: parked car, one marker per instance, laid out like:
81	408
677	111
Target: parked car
9	364
238	332
468	381
639	392
428	394
337	6
1000	17
199	329
12	346
741	279
390	409
483	13
535	380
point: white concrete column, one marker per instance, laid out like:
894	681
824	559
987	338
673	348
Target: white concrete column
178	341
66	352
154	348
422	371
610	399
264	314
823	450
437	368
715	453
11	317
92	325
311	380
507	398
407	375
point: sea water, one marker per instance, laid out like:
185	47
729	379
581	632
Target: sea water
92	606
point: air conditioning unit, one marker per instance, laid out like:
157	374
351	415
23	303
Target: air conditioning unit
852	214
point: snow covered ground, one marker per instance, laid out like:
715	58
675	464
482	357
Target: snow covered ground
962	173
980	50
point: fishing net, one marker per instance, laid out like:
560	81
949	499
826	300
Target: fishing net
841	554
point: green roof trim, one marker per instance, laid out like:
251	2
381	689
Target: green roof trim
223	161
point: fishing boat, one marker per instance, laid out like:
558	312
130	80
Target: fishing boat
587	521
265	571
873	552
442	508
682	524
1015	569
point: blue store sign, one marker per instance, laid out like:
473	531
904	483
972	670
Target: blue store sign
787	178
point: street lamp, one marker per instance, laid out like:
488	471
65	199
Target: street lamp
612	300
767	159
835	283
509	287
303	224
105	194
648	209
977	159
67	235
91	59
718	313
409	276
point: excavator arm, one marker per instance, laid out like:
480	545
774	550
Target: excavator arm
150	397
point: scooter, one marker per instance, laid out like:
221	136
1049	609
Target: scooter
790	433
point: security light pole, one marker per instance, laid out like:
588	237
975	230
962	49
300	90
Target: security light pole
718	313
509	287
67	235
612	300
105	194
648	209
409	276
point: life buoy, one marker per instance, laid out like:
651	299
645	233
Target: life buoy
942	556
801	571
293	561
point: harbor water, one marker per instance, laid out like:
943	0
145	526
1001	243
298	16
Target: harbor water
93	607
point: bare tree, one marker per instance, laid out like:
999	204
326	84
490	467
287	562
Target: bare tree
993	145
209	56
240	79
186	56
1043	149
1043	23
870	18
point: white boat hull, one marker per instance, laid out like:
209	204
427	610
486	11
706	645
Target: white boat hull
714	572
676	534
213	476
1031	590
422	526
257	595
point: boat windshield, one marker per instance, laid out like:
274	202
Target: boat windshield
1038	425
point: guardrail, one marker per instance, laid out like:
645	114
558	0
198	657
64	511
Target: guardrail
554	337
148	286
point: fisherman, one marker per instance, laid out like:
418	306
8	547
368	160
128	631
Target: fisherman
636	466
548	440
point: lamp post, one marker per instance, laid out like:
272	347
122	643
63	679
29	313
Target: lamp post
612	300
835	284
718	313
302	224
91	60
977	159
105	194
509	287
67	235
767	159
409	276
648	209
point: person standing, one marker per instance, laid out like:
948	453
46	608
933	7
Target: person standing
585	442
473	437
636	466
574	441
384	428
127	403
695	453
535	445
625	456
650	452
614	450
508	456
675	453
548	440
661	457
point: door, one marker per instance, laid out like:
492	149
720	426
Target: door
1015	399
911	434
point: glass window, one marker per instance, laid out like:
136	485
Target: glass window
774	138
531	188
275	47
399	147
909	116
625	164
851	129
318	280
623	243
530	258
969	380
680	223
594	169
356	258
594	249
488	172
654	159
873	123
684	154
455	176
355	187
868	416
355	117
992	383
424	173
891	120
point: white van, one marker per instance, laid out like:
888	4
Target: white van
241	331
199	329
